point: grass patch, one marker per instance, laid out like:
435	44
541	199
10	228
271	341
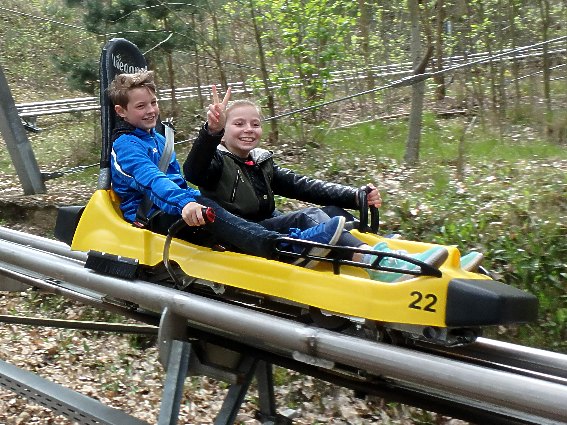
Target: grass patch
440	142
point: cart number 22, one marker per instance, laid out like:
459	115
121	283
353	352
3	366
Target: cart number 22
423	302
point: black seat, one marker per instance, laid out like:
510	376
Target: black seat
119	56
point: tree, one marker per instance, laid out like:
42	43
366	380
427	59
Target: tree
264	71
513	18
440	89
411	156
544	9
157	29
216	44
311	36
365	14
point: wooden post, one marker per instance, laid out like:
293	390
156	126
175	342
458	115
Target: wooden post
17	142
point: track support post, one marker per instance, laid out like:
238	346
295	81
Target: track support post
177	366
268	413
182	358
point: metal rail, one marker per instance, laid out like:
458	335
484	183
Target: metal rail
74	406
483	389
518	359
35	109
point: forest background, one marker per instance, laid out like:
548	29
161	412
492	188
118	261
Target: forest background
456	109
335	76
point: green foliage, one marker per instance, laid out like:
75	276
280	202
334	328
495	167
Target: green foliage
439	142
142	342
82	73
524	246
28	44
312	40
155	28
283	376
64	143
380	139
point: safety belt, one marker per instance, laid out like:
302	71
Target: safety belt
142	218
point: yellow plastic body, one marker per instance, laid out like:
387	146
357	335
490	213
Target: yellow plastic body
419	301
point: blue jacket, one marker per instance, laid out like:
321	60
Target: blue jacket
135	172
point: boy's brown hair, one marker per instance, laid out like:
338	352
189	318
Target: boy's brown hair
119	89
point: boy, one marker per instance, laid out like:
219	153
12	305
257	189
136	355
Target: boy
136	151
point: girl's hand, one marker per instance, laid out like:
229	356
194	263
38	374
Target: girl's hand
216	115
373	196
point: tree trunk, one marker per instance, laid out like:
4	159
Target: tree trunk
440	89
476	73
171	76
217	49
418	90
236	46
488	39
545	24
512	13
198	82
384	25
274	133
364	24
501	35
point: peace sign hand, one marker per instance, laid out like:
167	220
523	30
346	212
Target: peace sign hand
216	116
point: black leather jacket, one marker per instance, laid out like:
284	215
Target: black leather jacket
248	190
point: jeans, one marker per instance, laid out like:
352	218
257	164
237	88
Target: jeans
247	236
252	238
309	217
302	219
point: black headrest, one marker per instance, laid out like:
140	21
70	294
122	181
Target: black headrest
118	56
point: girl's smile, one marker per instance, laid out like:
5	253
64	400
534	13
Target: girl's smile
243	130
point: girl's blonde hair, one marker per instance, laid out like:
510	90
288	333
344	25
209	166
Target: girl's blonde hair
233	104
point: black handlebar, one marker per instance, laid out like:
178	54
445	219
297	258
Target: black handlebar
364	208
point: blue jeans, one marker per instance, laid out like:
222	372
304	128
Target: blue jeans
247	236
309	217
302	219
257	239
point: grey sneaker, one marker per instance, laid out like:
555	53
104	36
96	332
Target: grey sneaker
471	261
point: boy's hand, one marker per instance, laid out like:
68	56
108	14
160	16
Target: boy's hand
216	116
192	214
